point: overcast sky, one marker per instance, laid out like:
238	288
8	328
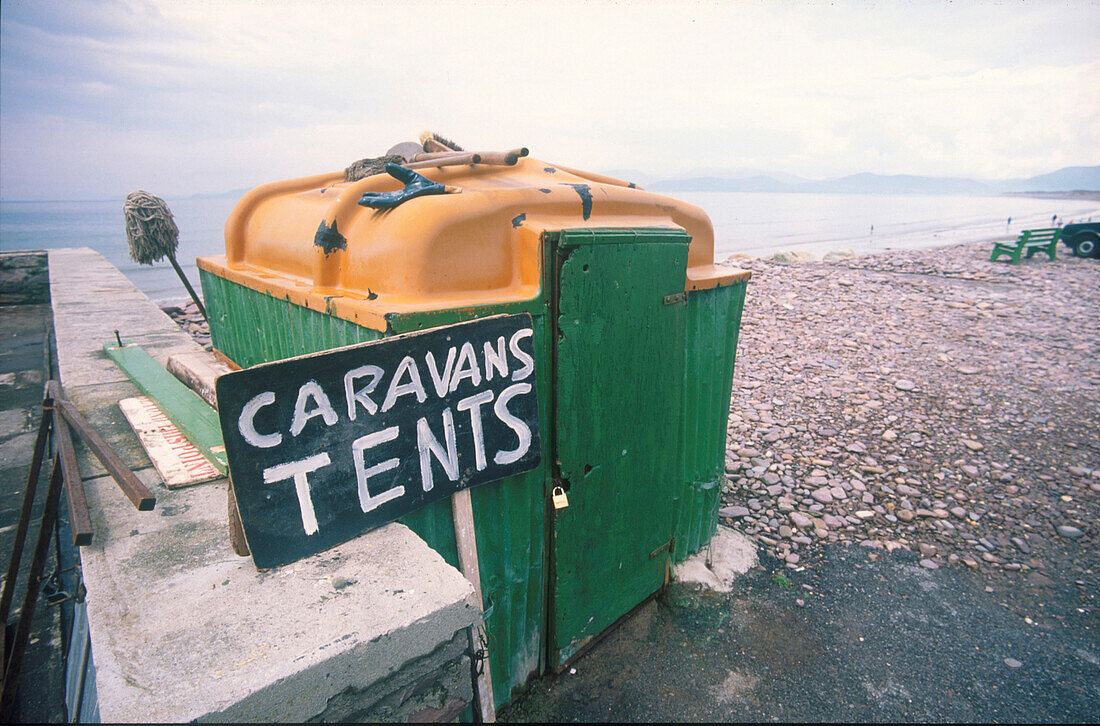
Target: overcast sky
100	98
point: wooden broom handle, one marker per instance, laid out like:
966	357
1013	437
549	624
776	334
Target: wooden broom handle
458	158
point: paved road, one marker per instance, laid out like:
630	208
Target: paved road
878	638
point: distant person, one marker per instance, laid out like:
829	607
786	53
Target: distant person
1009	222
1052	218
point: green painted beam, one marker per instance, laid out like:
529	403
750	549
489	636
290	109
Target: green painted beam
183	407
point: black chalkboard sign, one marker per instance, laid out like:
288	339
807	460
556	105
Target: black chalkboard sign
323	447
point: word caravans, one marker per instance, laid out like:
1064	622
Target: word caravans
476	386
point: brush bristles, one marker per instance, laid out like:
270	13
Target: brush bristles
425	135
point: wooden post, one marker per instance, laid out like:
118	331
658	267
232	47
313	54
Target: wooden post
463	511
236	529
450	160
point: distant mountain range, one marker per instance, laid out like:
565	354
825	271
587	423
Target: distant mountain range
1071	178
743	179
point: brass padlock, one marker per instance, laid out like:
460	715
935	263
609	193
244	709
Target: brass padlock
560	500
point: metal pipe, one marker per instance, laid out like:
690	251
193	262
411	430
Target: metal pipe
34	584
79	520
130	485
25	510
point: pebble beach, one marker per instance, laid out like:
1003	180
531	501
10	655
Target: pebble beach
930	400
914	447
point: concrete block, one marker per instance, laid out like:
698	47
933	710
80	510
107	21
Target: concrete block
24	278
709	574
84	337
436	687
183	629
92	299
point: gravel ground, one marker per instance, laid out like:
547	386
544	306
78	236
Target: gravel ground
931	400
908	433
864	637
191	320
924	399
914	443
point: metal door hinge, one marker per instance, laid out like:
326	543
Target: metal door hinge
661	548
676	298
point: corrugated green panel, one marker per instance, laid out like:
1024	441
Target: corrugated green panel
250	327
510	527
713	324
510	515
510	518
619	359
621	346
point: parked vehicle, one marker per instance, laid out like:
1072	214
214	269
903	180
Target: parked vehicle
1083	238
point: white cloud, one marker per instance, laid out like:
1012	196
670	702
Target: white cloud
215	94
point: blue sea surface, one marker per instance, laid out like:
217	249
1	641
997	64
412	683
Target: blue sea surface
762	223
753	223
100	225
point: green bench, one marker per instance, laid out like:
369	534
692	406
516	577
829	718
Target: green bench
1031	241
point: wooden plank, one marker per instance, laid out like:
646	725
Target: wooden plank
326	446
176	459
198	371
463	511
236	528
191	415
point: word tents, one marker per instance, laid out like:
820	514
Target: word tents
323	447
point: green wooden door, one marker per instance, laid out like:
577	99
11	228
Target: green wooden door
618	358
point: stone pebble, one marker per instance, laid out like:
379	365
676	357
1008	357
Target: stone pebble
191	322
921	402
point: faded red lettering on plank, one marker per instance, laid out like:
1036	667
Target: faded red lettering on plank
175	458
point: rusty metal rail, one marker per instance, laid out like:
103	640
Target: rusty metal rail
60	418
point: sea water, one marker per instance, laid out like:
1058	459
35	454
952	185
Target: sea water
761	223
752	223
101	226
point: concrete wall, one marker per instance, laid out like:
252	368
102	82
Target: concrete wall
24	279
182	629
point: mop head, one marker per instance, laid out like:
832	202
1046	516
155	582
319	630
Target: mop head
424	136
150	229
369	167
